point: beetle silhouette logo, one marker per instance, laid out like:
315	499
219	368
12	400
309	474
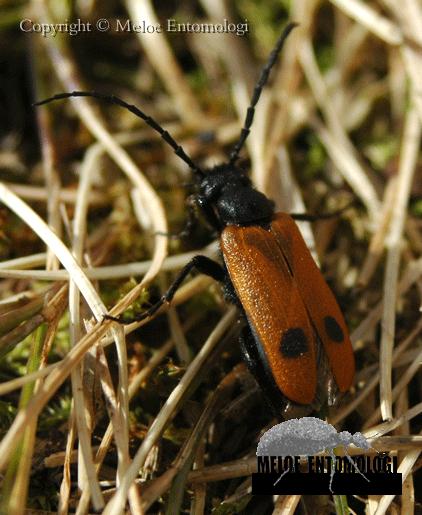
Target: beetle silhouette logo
308	436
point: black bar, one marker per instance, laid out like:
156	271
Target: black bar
318	484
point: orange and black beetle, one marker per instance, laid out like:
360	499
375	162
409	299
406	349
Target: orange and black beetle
295	342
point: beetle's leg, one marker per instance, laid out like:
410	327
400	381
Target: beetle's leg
189	225
355	466
307	217
280	477
202	264
332	470
208	212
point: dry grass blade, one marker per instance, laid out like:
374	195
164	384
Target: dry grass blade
167	412
69	77
371	19
162	58
286	505
408	161
45	233
97	273
185	458
87	475
65	195
404	469
372	383
334	136
79	278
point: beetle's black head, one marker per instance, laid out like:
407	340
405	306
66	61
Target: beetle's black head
227	192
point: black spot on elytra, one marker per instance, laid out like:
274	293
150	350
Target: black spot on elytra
293	343
333	329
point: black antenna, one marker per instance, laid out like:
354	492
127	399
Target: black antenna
112	99
257	92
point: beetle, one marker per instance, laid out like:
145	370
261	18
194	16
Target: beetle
295	340
306	436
